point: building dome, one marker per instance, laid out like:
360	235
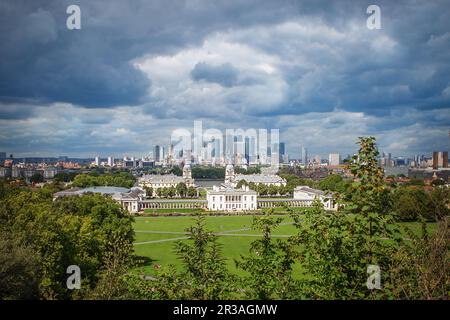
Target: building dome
187	172
229	174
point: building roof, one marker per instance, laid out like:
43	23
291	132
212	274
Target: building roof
312	191
102	190
227	189
133	194
160	178
260	178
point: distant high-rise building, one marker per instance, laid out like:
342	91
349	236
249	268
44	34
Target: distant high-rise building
229	146
111	161
97	161
317	159
2	155
239	145
440	159
304	156
334	159
251	149
217	148
156	153
445	159
282	152
162	155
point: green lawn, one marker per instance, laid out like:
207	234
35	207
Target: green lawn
276	210
156	236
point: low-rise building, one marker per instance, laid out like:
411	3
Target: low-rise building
129	199
50	172
227	198
157	181
5	172
308	195
16	172
261	178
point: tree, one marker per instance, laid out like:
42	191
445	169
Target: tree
269	263
191	192
165	192
409	204
19	269
171	192
37	178
262	189
64	176
204	275
336	248
252	186
331	182
437	182
177	171
440	203
68	231
272	190
419	270
368	195
241	183
205	272
148	191
94	178
331	254
415	182
118	261
181	189
208	173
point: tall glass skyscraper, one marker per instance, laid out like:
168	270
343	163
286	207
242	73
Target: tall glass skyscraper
304	155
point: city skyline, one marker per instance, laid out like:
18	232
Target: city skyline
313	69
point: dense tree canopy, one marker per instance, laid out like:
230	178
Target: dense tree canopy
120	179
69	231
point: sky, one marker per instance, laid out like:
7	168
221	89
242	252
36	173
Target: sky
137	70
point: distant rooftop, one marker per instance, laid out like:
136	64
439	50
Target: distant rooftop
310	190
260	178
101	190
229	189
159	178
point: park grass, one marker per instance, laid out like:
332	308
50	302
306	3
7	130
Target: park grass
275	210
234	234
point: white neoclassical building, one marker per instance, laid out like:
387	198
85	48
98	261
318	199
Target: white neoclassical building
266	179
129	199
227	198
308	195
157	181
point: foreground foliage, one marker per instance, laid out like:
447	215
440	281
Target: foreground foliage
55	235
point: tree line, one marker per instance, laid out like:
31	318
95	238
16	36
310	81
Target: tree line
116	179
40	238
180	190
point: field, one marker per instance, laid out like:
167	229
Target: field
156	236
188	211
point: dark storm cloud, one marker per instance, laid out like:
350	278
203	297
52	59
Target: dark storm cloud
41	59
11	111
272	60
